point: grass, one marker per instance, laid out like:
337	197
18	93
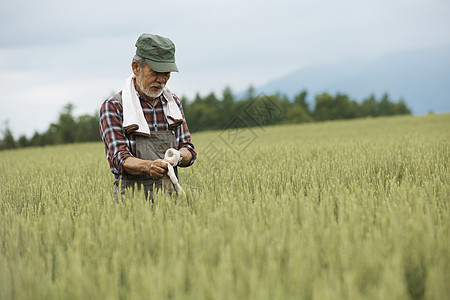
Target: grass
337	210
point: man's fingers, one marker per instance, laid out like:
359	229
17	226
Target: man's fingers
158	168
163	163
168	161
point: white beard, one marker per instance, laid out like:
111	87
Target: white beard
147	92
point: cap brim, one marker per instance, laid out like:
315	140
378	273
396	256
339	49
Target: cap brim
162	66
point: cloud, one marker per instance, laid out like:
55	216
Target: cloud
56	51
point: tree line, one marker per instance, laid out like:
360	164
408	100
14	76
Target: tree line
67	129
213	113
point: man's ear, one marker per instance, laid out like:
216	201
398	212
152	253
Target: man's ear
135	67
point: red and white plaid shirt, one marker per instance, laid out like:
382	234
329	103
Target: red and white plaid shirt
119	145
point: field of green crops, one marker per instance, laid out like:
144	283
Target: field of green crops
338	210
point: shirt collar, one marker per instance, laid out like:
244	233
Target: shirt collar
162	98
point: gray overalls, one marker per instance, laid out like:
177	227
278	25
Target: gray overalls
148	148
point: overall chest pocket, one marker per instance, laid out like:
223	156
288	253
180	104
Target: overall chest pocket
154	147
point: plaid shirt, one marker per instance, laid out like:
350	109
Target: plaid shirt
119	145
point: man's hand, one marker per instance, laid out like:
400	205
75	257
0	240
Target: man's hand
187	156
158	168
155	168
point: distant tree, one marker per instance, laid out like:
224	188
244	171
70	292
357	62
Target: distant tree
211	99
369	107
36	140
281	105
297	114
228	107
42	139
8	141
23	142
324	108
198	99
300	99
250	93
52	136
386	107
66	125
87	129
401	108
204	113
344	107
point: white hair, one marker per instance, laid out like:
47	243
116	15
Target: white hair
140	61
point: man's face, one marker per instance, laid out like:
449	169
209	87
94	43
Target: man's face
150	84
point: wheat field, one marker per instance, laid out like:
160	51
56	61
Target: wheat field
337	210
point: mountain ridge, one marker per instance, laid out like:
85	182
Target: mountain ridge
419	77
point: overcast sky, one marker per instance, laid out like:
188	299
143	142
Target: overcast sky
53	52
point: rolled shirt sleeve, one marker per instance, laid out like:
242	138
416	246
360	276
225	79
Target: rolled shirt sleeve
117	145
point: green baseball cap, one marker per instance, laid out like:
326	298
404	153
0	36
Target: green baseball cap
158	52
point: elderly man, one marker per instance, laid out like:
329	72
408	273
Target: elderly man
145	119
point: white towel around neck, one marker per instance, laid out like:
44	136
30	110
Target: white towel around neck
133	116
